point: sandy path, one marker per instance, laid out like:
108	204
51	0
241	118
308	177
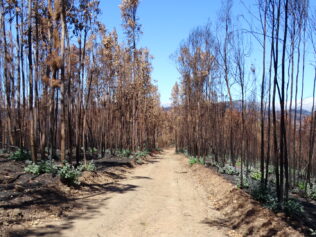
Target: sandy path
165	198
165	201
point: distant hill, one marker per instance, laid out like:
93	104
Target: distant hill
237	105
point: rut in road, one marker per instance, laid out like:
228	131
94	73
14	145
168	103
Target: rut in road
164	201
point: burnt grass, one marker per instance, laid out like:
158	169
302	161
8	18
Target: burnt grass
27	199
303	222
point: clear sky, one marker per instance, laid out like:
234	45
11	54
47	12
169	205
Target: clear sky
165	23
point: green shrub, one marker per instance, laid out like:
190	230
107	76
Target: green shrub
312	195
293	207
301	186
196	160
272	205
124	153
310	192
201	161
256	175
245	183
261	194
41	168
69	174
266	196
228	169
88	167
92	150
20	155
140	154
49	167
33	168
193	160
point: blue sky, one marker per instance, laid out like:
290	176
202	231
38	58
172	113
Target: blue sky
165	23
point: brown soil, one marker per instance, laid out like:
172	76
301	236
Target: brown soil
166	197
240	212
27	201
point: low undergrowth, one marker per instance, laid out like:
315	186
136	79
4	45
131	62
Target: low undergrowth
196	160
123	153
266	196
68	173
41	167
251	182
20	155
228	169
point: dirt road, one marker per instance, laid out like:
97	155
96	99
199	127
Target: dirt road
170	198
160	199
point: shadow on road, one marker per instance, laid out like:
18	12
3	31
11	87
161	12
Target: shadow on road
83	207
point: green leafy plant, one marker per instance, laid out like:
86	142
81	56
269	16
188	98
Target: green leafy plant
228	169
33	169
41	168
69	174
196	160
312	195
266	196
272	204
256	175
88	167
310	191
261	194
293	207
92	150
141	154
193	160
201	161
301	186
245	183
124	153
20	155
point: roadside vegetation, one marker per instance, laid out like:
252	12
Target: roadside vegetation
244	117
69	173
221	120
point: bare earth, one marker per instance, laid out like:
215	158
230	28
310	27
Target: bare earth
170	198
